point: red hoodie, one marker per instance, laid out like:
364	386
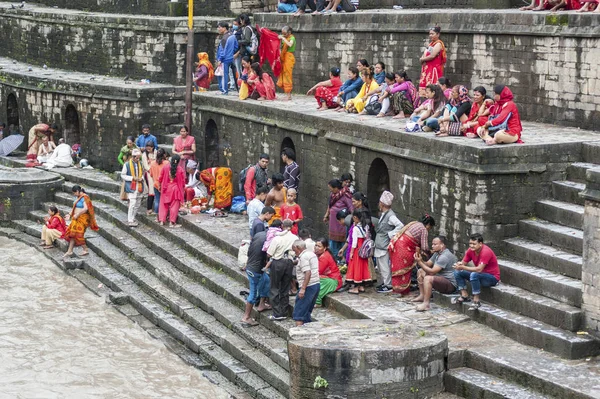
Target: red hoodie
503	108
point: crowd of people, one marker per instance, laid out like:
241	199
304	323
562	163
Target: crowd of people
563	5
434	105
170	183
367	249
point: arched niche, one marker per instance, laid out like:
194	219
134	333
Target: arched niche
377	182
12	114
72	133
286	143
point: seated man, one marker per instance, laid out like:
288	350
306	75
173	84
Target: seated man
287	6
436	273
484	273
61	157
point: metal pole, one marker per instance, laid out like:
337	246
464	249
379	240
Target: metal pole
189	65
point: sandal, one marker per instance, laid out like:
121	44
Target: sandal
68	254
461	299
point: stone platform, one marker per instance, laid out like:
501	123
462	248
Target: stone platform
547	59
466	185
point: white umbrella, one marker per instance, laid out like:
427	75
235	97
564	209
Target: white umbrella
10	143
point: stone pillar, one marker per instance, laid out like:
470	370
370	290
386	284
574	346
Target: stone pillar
590	273
365	359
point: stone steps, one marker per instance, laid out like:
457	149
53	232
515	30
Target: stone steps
568	191
535	306
127	291
167	138
470	383
544	257
205	311
576	171
591	152
542	282
564	213
552	234
527	330
537	370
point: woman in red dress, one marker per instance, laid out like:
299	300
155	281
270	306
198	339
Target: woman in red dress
433	60
412	238
326	90
358	268
185	145
171	185
261	83
480	111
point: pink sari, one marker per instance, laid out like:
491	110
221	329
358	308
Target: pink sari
266	87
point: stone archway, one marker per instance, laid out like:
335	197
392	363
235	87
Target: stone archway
12	114
212	151
377	182
72	133
286	143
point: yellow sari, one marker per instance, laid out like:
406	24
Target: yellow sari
287	67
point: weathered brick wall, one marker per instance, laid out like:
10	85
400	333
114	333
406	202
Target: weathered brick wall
140	47
467	189
108	112
549	61
158	7
590	272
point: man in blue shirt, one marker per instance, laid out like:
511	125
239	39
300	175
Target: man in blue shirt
146	137
228	46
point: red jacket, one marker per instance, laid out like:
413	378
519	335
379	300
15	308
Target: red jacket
56	222
503	108
328	268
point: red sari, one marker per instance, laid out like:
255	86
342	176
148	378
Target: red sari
327	93
432	70
265	88
402	250
475	117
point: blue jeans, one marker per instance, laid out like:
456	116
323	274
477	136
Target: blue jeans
335	247
304	307
259	286
286	8
432	123
224	80
156	200
477	280
349	96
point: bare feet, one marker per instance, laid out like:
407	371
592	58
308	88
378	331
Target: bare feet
84	253
418	299
68	254
322	108
42	243
399	116
422	307
490	141
48	246
380	115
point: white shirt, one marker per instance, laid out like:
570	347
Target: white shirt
253	210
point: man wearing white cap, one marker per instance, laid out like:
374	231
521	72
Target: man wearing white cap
133	176
388	226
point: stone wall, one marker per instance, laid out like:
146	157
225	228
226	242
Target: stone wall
159	7
115	45
590	274
466	188
548	60
107	111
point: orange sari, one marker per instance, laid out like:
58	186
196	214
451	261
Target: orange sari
432	70
287	67
77	227
219	185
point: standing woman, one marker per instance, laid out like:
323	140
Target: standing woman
204	72
155	168
82	216
171	185
358	268
148	158
185	145
288	47
339	198
433	60
412	238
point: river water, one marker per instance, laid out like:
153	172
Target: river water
59	340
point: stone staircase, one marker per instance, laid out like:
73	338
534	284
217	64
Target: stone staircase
187	282
538	301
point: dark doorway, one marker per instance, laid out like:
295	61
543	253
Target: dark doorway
72	133
377	182
211	145
286	143
12	114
